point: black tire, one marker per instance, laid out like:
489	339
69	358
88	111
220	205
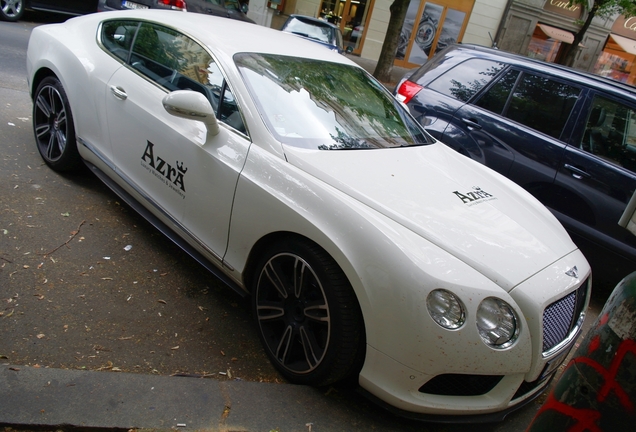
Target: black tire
307	314
11	10
53	126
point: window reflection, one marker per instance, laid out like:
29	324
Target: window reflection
314	104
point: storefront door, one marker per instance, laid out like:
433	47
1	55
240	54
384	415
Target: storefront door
429	27
351	16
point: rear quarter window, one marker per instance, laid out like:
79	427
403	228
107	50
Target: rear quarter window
464	80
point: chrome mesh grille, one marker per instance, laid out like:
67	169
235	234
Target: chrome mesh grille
560	317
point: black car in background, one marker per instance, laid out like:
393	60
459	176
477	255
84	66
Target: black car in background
566	136
224	8
12	10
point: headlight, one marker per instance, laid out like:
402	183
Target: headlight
446	309
497	323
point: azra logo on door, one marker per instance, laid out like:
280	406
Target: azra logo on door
171	176
476	196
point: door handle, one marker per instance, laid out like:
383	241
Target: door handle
471	123
118	92
577	173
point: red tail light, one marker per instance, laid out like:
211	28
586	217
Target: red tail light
407	90
175	4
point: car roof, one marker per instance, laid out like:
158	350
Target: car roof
585	78
226	36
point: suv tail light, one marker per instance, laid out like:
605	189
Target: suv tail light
407	90
175	4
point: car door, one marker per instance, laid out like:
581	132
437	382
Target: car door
598	174
518	122
187	178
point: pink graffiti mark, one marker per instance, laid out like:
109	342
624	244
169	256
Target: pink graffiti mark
609	375
585	418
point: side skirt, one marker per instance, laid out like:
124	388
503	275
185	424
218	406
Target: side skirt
168	232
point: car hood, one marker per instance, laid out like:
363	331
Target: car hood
470	211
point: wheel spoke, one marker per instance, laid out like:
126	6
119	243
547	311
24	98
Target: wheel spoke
311	357
43	106
275	279
269	312
317	313
50	147
42	129
284	346
299	277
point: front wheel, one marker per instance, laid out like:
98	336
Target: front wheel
308	317
53	126
11	10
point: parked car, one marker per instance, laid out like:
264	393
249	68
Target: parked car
369	249
316	30
566	136
12	10
224	8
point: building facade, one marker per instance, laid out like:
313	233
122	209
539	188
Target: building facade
535	28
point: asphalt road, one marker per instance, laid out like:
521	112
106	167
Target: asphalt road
87	284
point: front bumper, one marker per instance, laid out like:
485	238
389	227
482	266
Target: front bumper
463	381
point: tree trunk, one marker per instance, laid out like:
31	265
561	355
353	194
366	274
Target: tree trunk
389	47
570	51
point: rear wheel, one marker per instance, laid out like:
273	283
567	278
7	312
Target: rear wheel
53	126
307	314
11	10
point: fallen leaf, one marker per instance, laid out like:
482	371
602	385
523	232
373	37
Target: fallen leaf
175	348
41	335
67	214
161	301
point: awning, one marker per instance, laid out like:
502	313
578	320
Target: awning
628	45
556	33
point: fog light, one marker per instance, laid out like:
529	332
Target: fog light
497	323
446	309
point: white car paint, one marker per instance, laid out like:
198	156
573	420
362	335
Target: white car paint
399	222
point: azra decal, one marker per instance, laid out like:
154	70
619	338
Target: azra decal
476	196
171	176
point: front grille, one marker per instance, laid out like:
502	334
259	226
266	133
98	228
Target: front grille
461	385
560	317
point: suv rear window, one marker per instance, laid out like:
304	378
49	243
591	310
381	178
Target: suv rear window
467	78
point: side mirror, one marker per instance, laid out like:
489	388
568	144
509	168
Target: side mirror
244	8
192	105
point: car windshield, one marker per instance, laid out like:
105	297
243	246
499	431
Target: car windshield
327	106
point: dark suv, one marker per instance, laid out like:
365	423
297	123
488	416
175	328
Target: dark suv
567	137
224	8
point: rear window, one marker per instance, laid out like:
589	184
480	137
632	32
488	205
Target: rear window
467	78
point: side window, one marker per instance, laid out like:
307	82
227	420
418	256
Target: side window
466	79
610	132
117	37
542	104
176	62
495	99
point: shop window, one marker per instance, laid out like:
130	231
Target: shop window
617	59
548	42
351	16
430	27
